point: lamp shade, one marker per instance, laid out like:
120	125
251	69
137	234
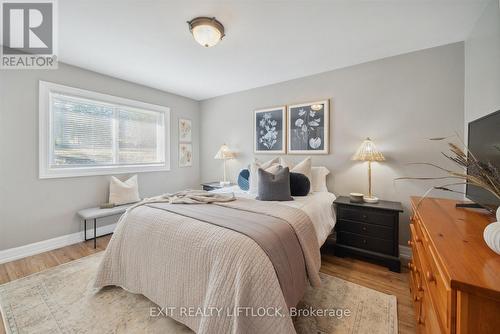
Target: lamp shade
224	153
368	152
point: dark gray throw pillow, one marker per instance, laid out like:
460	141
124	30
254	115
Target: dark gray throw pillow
274	187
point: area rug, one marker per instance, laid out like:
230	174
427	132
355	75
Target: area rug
62	300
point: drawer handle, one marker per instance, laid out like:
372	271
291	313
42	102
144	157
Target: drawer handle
364	241
365	216
364	228
412	267
417	298
430	277
410	243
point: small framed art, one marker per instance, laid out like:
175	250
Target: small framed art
308	128
185	155
185	130
269	130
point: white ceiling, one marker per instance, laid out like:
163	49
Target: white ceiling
148	42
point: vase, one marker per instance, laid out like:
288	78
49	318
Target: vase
491	234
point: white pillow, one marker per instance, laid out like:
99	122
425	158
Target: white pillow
254	175
303	167
319	179
123	192
286	163
273	169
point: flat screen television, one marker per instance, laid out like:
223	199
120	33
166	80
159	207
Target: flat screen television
484	143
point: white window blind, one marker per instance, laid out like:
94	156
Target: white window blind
88	133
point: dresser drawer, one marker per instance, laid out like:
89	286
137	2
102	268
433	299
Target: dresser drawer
364	242
416	295
439	290
415	266
369	230
433	281
371	216
426	318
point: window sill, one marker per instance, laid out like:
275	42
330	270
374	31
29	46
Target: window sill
55	173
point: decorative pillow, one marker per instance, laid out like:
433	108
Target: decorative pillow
123	192
273	169
285	163
274	187
254	175
303	167
299	184
243	177
319	179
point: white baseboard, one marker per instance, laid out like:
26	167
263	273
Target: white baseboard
404	252
12	254
16	253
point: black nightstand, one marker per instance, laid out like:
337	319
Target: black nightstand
214	185
369	231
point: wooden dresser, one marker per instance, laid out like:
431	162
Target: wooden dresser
454	276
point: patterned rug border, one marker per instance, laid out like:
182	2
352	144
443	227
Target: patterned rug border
50	268
393	298
21	279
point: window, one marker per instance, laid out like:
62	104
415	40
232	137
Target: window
88	133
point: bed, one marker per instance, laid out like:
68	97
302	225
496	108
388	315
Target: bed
212	278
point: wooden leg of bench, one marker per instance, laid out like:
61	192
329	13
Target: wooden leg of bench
95	233
85	230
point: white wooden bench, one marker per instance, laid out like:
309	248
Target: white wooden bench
96	213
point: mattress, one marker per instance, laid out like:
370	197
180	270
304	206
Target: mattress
317	205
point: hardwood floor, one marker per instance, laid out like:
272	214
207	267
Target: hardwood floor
377	278
356	271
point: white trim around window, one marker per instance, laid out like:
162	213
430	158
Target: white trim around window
48	169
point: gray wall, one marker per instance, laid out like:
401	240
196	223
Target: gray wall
482	65
32	209
398	101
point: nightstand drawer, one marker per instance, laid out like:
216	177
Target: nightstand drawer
367	216
369	230
364	242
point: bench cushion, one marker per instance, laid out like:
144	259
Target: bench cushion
92	213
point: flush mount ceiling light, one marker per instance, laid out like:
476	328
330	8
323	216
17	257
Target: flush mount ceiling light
207	31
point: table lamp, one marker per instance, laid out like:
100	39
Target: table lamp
224	153
368	152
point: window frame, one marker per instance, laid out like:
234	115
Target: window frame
45	136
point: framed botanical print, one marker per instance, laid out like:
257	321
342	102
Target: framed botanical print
269	130
185	155
185	130
309	128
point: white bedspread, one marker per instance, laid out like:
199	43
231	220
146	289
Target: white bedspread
317	205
